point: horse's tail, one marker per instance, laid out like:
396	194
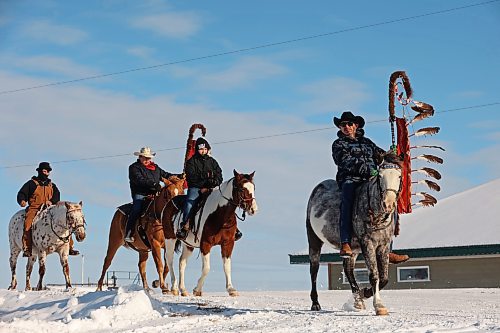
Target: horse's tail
177	247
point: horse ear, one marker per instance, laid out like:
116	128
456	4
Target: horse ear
81	203
68	206
251	175
235	173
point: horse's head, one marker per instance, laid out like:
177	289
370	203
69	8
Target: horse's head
390	180
75	219
244	192
174	186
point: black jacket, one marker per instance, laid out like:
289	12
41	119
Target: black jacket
203	172
355	158
144	181
29	188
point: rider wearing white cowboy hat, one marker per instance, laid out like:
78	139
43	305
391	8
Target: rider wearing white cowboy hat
144	176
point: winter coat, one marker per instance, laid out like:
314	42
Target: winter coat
355	158
28	189
145	181
203	171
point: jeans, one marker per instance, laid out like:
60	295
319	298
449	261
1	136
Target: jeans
192	194
137	201
348	190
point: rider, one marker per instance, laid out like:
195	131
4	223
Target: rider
202	174
355	155
144	176
37	193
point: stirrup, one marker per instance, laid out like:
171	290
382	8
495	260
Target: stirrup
73	252
129	238
238	235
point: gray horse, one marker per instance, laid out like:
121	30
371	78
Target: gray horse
373	229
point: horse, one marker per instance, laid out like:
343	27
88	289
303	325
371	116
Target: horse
51	232
373	227
214	224
153	229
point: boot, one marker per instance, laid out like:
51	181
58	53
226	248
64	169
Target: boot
345	250
397	258
182	232
73	252
128	237
238	234
27	244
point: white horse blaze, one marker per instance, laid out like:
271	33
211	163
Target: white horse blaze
251	189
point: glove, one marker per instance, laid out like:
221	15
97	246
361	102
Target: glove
23	203
373	172
211	183
156	187
203	190
394	149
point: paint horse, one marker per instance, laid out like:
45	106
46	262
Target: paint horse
51	232
150	222
373	227
215	224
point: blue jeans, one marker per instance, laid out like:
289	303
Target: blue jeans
192	194
137	201
348	190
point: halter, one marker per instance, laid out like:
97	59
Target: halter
241	200
71	227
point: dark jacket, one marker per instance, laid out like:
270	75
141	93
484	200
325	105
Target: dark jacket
203	172
145	181
29	188
355	158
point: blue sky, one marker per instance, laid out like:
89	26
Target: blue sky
450	57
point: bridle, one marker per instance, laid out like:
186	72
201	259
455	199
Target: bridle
242	202
70	224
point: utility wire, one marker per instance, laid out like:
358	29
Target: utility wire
252	48
242	140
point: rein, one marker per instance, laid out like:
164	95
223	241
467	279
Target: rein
70	228
239	203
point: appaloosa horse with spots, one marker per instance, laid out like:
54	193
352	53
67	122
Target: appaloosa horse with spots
153	228
373	226
51	232
215	224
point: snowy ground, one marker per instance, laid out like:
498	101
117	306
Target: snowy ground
129	309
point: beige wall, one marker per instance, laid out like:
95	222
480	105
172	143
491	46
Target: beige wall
464	272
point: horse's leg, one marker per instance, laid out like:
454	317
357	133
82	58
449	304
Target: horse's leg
315	245
348	264
63	258
42	258
226	251
14	254
169	258
383	270
29	269
157	257
115	240
143	257
369	252
205	268
186	253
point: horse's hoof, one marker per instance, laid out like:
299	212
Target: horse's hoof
360	305
184	293
156	284
233	293
165	291
315	307
381	311
197	293
176	292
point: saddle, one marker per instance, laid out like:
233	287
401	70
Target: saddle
179	202
125	209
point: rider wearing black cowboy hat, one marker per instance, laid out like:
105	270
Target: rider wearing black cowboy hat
355	155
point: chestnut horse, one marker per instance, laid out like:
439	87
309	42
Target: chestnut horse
151	221
215	225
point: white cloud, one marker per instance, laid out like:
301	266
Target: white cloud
172	24
142	52
46	31
335	94
50	64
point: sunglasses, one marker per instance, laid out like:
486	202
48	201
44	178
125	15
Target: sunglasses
346	123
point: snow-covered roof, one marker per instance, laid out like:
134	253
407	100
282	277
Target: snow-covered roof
467	218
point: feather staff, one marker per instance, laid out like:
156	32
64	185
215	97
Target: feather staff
425	203
421	107
426	131
429	172
429	158
432	185
421	116
437	147
426	196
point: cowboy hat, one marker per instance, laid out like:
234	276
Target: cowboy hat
44	166
348	116
146	152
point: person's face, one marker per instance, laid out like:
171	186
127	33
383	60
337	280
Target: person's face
45	172
349	128
203	151
145	160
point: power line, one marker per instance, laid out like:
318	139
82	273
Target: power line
270	136
251	48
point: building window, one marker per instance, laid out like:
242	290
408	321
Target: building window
361	275
413	274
